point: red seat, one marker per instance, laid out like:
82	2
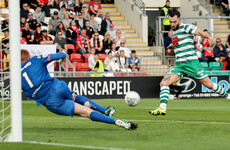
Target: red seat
139	74
102	56
70	68
71	46
83	67
75	57
86	55
117	74
79	74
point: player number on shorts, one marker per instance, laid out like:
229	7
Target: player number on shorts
28	79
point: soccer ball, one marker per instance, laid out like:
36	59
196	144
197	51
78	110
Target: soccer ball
132	98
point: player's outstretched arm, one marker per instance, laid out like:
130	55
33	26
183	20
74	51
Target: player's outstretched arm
205	35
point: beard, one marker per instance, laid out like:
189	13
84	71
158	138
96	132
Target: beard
177	27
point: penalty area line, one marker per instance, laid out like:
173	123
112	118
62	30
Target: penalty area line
74	146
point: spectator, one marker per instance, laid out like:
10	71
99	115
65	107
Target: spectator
124	48
85	13
59	40
91	61
65	3
39	16
112	31
45	39
83	43
114	52
164	12
225	6
26	33
199	51
89	29
93	22
167	41
123	62
61	28
62	13
33	4
22	22
79	6
117	39
37	35
95	8
53	23
24	11
134	62
71	12
96	42
228	42
226	65
205	41
110	64
107	43
98	69
220	51
32	22
5	40
45	6
209	54
71	33
22	40
66	21
105	24
5	22
80	22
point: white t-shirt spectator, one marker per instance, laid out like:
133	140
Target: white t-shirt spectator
91	61
126	50
119	41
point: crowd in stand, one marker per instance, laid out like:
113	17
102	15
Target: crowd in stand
206	53
75	22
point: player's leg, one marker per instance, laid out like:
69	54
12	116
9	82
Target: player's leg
215	87
96	116
93	105
164	94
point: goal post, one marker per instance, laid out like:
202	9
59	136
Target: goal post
15	72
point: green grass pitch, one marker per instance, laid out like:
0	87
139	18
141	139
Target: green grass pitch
202	124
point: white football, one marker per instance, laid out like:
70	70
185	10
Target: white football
132	98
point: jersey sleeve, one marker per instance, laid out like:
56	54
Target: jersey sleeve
52	57
190	29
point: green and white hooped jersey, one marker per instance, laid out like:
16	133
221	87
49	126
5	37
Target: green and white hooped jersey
183	43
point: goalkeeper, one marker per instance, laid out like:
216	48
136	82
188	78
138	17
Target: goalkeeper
37	84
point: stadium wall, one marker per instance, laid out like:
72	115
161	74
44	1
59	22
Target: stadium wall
192	8
161	3
147	87
134	16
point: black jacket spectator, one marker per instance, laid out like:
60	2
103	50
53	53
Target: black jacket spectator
32	23
104	26
218	52
89	31
71	36
107	44
24	11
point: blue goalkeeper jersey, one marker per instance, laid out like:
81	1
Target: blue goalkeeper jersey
36	80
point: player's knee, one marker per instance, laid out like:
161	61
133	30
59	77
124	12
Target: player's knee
87	104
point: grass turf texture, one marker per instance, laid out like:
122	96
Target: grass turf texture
189	124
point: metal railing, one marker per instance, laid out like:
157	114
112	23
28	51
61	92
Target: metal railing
159	29
141	5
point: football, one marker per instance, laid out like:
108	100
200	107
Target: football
132	98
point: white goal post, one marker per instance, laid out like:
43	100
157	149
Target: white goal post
15	72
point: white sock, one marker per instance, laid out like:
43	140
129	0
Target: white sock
163	105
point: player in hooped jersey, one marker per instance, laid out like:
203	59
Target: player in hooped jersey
55	95
187	62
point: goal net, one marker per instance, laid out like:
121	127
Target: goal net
10	74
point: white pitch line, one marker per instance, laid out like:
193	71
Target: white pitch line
75	146
178	121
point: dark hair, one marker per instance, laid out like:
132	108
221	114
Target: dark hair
87	21
174	12
133	51
205	30
209	45
109	52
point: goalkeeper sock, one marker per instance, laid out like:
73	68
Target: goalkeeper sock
89	103
96	116
218	89
164	96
